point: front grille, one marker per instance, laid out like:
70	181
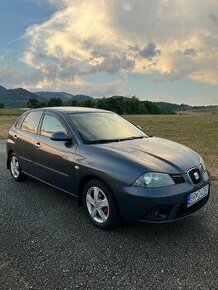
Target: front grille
195	175
177	178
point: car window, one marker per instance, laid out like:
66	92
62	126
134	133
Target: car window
20	120
51	125
31	122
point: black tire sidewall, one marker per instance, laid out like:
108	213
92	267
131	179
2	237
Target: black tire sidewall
113	211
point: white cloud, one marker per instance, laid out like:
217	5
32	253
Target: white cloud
170	38
77	86
37	81
14	78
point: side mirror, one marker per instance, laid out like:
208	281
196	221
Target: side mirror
60	136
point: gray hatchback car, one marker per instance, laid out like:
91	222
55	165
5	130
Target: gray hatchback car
110	165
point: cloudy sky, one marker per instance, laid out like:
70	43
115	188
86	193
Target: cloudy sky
163	50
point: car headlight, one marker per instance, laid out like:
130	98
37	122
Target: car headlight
154	179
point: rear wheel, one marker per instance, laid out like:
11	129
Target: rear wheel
100	205
15	168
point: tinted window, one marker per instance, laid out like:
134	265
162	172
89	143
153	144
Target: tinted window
31	122
20	120
104	126
51	125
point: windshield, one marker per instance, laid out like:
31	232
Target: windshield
104	127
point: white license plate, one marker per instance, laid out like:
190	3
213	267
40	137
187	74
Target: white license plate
194	197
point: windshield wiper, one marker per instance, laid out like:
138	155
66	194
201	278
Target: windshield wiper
136	137
101	141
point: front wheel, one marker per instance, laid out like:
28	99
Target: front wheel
15	168
100	205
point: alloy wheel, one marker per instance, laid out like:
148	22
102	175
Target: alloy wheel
97	204
15	167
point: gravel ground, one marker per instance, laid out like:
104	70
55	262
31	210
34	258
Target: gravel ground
46	242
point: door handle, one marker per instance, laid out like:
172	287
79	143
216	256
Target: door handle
37	145
15	136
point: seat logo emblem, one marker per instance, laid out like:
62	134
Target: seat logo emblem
196	175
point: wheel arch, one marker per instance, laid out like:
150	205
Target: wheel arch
83	183
8	157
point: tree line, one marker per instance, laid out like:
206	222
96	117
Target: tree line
118	104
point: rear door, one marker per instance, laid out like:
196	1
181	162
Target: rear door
54	160
24	140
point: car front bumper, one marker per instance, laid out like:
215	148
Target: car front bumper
158	205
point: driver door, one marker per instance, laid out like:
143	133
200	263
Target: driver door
54	160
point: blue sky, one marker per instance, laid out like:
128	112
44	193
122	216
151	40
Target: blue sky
15	17
157	50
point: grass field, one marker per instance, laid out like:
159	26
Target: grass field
197	131
7	118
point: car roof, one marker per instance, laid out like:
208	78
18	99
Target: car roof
66	109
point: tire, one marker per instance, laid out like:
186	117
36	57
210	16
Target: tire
100	205
15	168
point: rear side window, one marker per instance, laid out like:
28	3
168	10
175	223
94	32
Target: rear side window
51	125
19	121
31	122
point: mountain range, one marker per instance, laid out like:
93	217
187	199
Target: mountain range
17	98
63	96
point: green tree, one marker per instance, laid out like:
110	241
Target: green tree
122	105
33	103
103	104
117	105
43	104
89	104
74	103
55	102
134	106
152	108
2	105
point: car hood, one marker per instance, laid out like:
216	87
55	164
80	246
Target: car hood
156	154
